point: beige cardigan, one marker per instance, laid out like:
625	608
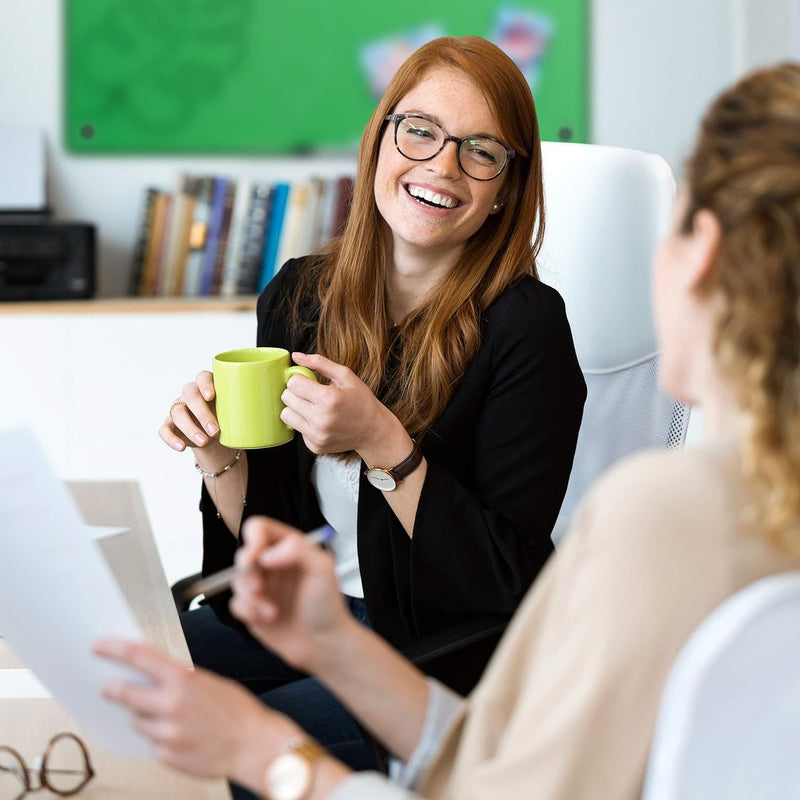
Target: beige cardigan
567	707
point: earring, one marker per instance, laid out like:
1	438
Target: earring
497	206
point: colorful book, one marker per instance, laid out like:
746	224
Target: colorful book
216	221
177	237
254	238
233	250
142	236
155	245
198	233
310	236
294	222
224	233
280	195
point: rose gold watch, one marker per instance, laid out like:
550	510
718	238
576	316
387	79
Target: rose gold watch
290	774
387	479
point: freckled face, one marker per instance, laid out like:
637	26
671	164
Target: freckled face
437	226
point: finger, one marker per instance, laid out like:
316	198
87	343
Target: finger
259	532
157	729
142	657
171	436
205	382
296	397
142	700
251	612
304	388
336	373
295	420
196	419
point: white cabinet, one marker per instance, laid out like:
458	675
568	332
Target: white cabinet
94	381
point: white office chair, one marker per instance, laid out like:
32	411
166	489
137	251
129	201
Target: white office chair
606	210
729	722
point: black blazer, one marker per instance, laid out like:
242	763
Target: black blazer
499	458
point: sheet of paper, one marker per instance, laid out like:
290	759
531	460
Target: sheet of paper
58	596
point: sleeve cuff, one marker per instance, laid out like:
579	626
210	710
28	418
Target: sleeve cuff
368	786
443	707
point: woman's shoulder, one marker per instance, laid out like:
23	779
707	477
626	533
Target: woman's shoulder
657	489
527	304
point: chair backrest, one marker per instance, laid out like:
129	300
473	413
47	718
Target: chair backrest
729	722
606	210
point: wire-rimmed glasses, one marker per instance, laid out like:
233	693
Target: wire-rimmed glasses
421	139
64	768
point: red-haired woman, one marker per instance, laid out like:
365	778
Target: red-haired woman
436	347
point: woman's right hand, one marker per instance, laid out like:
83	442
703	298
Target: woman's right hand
288	595
192	421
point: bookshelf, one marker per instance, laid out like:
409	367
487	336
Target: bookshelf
133	305
218	236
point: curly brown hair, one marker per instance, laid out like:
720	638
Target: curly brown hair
746	170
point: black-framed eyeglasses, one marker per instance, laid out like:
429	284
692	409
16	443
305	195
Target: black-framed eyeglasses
64	768
421	139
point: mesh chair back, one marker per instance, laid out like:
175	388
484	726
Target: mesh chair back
607	209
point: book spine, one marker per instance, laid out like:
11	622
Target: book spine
155	244
222	239
254	239
279	197
216	220
198	234
233	252
142	236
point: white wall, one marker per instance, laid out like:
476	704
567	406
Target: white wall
656	63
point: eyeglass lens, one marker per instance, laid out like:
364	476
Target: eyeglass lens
65	765
420	139
13	778
65	769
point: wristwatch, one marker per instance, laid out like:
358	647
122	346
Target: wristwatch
387	479
290	774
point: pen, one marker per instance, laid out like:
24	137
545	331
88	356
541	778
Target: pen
218	581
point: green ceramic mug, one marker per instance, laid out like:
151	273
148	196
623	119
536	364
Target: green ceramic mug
249	383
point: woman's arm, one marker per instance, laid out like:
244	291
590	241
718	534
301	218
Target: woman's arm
288	597
498	464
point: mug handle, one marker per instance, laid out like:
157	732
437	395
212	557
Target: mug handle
297	370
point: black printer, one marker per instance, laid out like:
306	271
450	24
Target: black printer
45	260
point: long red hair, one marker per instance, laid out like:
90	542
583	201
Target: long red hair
441	337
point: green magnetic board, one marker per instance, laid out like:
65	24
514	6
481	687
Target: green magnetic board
258	76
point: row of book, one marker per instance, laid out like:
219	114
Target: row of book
218	236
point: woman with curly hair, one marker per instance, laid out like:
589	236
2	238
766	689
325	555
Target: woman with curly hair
567	706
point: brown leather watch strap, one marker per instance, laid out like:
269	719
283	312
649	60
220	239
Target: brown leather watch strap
407	465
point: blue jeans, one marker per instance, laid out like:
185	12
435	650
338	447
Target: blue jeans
224	650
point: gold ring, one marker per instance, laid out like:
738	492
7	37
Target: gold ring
176	403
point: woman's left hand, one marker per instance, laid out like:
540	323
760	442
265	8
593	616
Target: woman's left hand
200	723
342	415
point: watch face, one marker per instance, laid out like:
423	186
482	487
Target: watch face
288	777
381	479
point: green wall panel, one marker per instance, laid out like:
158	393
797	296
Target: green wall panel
256	76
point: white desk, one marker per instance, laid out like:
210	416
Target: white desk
27	724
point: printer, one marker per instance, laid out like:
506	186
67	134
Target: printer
42	259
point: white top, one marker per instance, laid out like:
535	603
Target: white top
336	485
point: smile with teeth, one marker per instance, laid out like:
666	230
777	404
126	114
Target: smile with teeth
430	198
